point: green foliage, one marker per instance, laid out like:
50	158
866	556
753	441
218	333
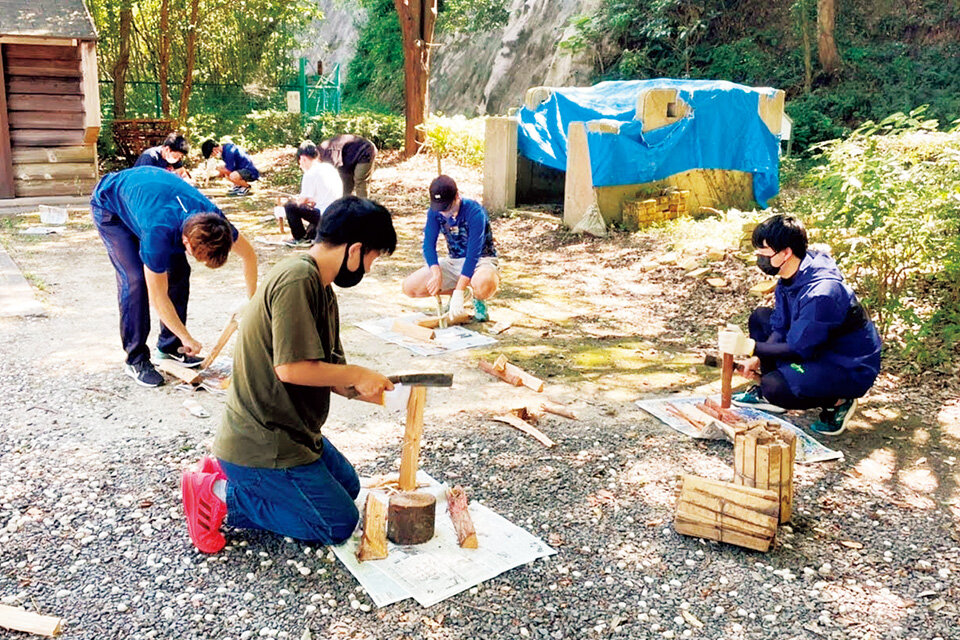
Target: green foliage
887	199
376	72
384	130
471	16
455	137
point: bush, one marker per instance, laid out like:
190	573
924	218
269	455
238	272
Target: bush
253	131
887	199
383	129
456	137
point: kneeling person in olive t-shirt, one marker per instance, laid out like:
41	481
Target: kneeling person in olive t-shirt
273	469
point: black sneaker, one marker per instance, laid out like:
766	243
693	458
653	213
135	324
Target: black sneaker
144	373
182	358
833	420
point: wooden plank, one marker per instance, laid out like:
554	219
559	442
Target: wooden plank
763	467
45	103
412	330
37	188
715	533
7	187
750	460
45	120
761	500
50	71
177	370
30	64
528	429
80	153
457	506
44	52
221	341
40	40
728	507
91	92
786	483
433	322
18	619
410	453
373	543
43	86
62	170
702	515
45	137
773	469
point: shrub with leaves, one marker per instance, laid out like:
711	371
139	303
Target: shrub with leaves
455	137
887	199
383	129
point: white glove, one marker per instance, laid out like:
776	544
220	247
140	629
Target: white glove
279	212
238	308
396	399
456	303
731	340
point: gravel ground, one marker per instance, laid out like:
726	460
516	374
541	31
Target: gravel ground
91	527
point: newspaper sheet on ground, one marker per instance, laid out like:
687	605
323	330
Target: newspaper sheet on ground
808	449
445	340
438	569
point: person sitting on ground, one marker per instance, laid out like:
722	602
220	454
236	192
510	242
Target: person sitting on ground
817	346
472	257
149	221
354	158
237	166
319	187
168	155
274	470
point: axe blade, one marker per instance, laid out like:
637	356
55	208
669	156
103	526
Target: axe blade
423	379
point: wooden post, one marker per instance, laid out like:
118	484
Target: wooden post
410	455
417	18
726	381
6	157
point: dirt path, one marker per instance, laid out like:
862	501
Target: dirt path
602	327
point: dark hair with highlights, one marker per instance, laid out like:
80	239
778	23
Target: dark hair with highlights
350	220
210	237
779	232
176	142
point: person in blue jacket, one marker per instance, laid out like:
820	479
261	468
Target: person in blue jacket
150	220
237	166
168	155
817	347
472	257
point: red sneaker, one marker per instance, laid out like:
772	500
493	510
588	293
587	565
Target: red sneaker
209	464
205	511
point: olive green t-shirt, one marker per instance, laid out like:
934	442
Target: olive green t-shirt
291	318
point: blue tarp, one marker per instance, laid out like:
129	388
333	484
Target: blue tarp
722	130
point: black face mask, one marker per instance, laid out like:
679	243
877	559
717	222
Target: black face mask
346	278
766	266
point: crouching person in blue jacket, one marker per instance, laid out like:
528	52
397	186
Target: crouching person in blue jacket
817	347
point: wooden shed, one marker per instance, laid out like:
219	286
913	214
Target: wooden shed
49	99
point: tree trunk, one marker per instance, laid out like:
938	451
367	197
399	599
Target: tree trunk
417	19
807	49
189	63
164	57
120	67
826	45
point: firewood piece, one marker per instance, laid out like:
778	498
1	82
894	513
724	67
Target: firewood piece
411	517
729	507
410	454
559	411
763	458
726	381
726	414
413	331
701	515
506	377
500	327
760	500
528	414
460	515
519	424
727	512
433	322
722	535
373	543
504	368
17	619
186	374
221	342
671	409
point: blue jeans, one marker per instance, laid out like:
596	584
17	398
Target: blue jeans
312	502
123	247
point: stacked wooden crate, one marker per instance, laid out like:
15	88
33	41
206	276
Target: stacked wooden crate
641	212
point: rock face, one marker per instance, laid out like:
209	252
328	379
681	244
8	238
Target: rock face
335	36
488	73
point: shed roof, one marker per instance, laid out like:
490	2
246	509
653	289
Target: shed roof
50	18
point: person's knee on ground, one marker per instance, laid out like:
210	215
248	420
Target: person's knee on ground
759	323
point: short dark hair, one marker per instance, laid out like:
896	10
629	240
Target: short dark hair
210	237
208	146
176	142
779	232
352	219
307	148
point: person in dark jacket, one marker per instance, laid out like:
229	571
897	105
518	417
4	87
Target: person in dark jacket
354	158
168	155
237	166
817	346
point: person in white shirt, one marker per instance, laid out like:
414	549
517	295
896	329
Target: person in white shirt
320	186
